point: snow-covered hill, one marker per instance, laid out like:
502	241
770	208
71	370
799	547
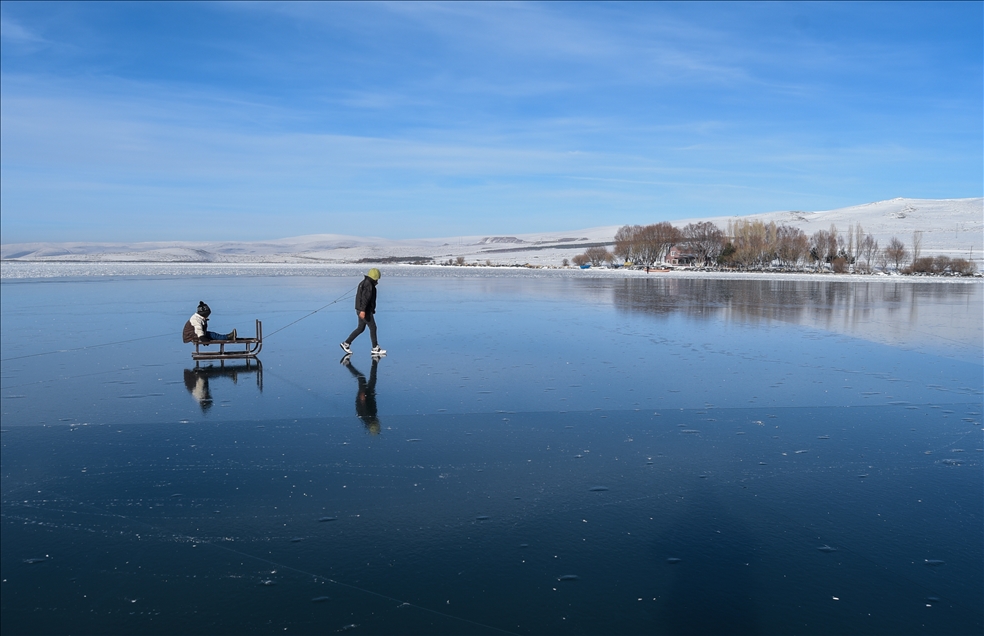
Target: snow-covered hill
954	227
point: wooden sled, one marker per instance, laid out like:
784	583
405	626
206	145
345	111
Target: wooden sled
250	347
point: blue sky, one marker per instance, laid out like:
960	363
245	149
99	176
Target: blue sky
147	122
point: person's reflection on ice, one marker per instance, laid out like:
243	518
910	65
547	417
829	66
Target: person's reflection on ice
197	380
197	384
365	399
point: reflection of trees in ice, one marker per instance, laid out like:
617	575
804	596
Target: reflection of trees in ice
896	313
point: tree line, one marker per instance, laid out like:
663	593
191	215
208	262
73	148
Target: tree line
756	245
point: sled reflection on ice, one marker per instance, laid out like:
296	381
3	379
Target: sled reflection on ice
365	397
196	380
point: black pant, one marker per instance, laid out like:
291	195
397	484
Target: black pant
368	320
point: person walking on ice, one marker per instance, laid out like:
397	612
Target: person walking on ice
365	308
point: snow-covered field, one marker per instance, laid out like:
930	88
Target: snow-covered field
952	227
10	270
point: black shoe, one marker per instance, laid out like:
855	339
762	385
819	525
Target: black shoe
345	359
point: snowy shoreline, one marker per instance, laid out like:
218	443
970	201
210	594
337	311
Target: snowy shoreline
947	227
20	270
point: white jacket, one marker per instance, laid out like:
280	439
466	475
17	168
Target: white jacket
200	323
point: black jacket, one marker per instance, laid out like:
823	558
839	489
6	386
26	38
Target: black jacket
365	297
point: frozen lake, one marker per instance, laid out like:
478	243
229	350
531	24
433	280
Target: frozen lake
540	453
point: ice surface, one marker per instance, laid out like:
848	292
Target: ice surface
548	413
85	349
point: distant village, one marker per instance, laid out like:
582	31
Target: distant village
758	246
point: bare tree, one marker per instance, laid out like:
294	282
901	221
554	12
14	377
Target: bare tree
963	267
704	239
866	252
916	244
895	253
597	255
838	244
647	244
847	252
754	241
655	240
625	241
859	237
820	248
881	259
791	245
579	260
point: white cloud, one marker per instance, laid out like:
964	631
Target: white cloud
13	31
449	110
